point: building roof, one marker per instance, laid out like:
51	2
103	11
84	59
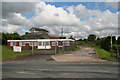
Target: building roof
33	34
40	40
38	29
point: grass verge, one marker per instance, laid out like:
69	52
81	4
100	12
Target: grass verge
8	53
101	53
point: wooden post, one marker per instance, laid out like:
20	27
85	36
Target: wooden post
45	47
32	47
55	47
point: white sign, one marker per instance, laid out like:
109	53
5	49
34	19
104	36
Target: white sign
44	47
16	48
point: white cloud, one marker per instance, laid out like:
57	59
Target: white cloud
51	15
95	20
11	28
18	19
12	20
54	18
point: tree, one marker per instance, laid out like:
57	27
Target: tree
71	37
98	41
0	38
80	40
10	36
92	37
106	43
118	41
62	37
26	32
113	40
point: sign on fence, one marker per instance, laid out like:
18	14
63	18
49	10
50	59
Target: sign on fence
16	48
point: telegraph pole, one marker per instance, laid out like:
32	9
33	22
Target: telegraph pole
111	41
61	32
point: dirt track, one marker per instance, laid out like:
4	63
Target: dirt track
84	54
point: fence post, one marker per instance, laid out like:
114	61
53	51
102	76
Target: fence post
45	47
32	48
55	47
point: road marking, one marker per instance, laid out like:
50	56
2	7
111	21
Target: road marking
24	72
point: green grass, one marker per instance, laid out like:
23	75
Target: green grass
8	53
104	54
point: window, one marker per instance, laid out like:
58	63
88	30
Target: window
12	43
22	43
60	43
33	43
54	43
47	43
66	43
40	44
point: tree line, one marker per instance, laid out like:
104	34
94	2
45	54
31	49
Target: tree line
9	36
109	43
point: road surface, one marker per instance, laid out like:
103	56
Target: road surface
43	66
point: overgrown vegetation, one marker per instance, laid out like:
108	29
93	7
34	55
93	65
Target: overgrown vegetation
103	54
103	46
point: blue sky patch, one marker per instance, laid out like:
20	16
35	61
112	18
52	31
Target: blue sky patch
102	6
29	14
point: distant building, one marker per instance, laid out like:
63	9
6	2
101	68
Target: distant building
36	33
51	36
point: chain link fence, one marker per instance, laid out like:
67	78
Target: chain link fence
56	50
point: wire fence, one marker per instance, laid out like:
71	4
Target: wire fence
56	50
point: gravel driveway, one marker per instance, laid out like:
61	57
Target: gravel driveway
84	54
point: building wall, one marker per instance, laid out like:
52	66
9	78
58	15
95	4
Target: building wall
9	45
28	47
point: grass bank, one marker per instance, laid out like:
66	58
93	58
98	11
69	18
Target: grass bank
104	54
8	53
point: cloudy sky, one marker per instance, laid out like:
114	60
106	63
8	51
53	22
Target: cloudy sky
78	19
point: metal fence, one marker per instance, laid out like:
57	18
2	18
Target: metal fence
57	50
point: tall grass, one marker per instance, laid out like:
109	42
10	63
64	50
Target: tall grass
103	54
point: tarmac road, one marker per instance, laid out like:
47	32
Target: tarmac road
43	66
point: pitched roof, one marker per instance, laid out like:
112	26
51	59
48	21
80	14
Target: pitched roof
33	34
38	29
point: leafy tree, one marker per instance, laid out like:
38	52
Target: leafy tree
113	40
62	37
106	43
118	40
26	32
92	37
80	40
98	41
71	37
85	40
10	36
117	50
0	38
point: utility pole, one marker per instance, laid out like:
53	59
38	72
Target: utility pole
61	32
111	41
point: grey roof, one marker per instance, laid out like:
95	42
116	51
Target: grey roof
38	29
